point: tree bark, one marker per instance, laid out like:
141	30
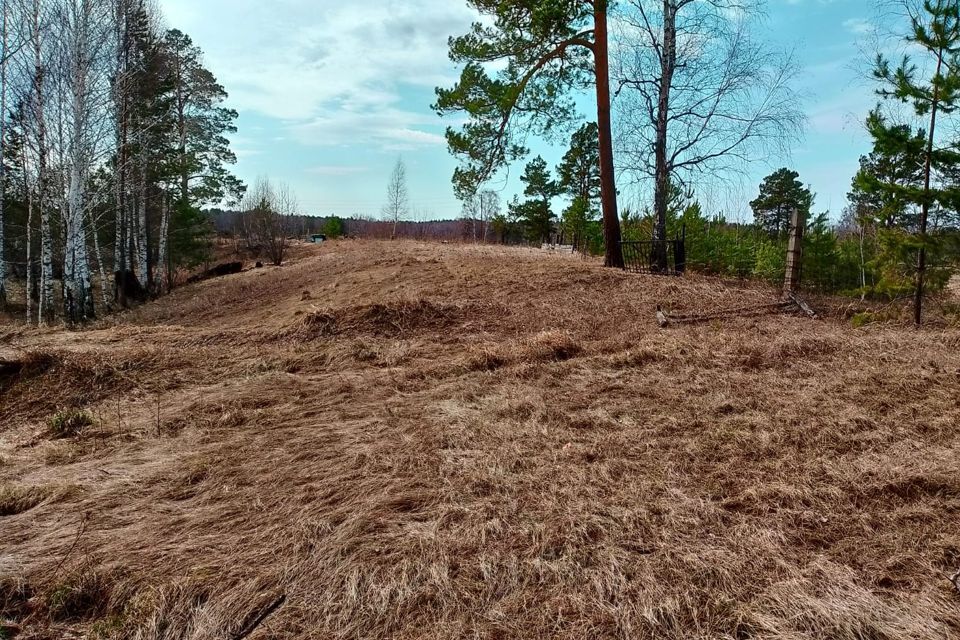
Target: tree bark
30	281
668	61
608	188
101	271
78	298
120	99
3	137
181	105
45	310
143	231
163	266
925	204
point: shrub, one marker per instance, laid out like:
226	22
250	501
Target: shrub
863	319
771	262
333	227
69	423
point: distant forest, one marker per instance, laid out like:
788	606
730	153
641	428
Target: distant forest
230	223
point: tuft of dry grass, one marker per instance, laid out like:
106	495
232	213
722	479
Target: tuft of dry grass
17	499
455	441
392	318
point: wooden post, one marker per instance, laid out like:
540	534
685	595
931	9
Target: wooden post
794	253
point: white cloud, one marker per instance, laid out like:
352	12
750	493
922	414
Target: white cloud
381	125
859	26
333	71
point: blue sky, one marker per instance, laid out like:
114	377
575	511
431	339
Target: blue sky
331	93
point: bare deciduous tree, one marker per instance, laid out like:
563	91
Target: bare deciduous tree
470	214
268	218
489	208
398	198
5	55
84	32
697	93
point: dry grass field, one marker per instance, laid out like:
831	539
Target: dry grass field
400	440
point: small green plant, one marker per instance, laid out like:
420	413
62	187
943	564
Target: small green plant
83	595
110	627
863	319
70	423
770	262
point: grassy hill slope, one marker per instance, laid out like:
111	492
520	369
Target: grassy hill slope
401	440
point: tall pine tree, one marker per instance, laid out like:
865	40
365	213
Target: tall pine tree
780	193
932	88
551	48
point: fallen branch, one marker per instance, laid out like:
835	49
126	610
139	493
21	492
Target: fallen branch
791	301
806	308
664	318
255	619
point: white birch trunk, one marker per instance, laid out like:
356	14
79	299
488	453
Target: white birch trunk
120	242
162	273
3	136
29	296
102	272
68	284
45	310
86	37
143	257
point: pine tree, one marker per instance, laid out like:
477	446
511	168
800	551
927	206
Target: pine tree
551	48
536	213
900	168
579	178
579	171
201	127
934	33
780	193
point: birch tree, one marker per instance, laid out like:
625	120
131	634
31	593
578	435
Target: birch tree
698	94
5	55
131	26
398	197
268	218
35	18
106	120
489	209
84	32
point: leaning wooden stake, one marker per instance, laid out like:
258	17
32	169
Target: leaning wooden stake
795	264
794	253
789	300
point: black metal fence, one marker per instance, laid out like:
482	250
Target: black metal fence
663	257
